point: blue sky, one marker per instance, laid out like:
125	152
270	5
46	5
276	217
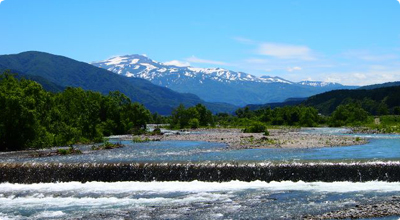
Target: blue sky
353	42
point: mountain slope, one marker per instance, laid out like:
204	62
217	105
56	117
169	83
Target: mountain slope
47	85
215	84
371	100
65	72
287	102
375	86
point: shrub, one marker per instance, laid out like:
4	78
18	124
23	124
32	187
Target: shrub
70	150
137	131
107	146
256	127
194	123
140	140
156	131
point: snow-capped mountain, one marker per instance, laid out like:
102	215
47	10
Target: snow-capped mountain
143	67
319	83
213	84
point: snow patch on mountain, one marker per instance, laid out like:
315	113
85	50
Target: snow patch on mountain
175	72
317	83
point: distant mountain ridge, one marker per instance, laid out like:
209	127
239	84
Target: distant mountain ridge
287	102
382	85
63	72
319	84
215	84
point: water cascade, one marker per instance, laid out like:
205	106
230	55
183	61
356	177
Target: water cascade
208	172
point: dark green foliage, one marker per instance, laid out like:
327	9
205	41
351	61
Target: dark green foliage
192	117
288	115
287	102
30	117
137	139
46	84
376	86
379	101
256	127
396	110
244	112
107	146
156	131
70	150
194	123
22	105
158	119
350	114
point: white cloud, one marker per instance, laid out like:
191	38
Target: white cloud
363	78
177	63
291	69
285	51
194	59
1	1
398	1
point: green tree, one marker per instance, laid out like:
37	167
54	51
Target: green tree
32	117
396	110
22	105
309	117
350	114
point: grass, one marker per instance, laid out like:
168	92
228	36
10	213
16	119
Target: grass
107	146
263	141
70	150
388	124
140	140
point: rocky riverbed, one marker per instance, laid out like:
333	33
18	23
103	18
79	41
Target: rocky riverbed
278	138
383	209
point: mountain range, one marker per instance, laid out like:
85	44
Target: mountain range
215	84
57	72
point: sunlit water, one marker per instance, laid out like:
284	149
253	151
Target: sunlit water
185	200
380	147
200	200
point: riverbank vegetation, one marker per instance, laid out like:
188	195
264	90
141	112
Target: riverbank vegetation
31	117
106	145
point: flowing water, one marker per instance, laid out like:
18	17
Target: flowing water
194	199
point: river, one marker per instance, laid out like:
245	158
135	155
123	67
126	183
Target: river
204	198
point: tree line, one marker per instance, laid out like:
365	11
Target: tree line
31	117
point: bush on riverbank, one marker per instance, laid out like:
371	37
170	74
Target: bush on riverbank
256	127
107	146
70	150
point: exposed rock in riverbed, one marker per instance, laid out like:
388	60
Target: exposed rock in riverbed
388	208
278	138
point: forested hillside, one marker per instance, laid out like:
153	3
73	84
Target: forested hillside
378	101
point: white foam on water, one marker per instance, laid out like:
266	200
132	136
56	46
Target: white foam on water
4	216
49	214
104	202
196	187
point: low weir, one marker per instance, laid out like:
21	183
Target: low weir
209	172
